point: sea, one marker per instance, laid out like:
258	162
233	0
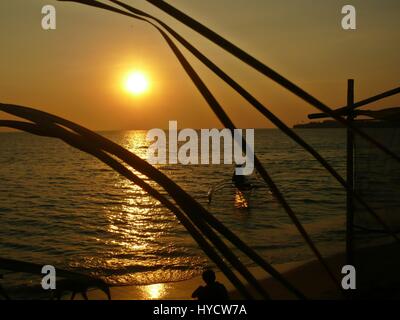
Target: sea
62	207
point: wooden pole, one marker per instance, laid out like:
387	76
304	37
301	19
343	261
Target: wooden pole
350	175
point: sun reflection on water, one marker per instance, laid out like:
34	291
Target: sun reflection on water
155	291
240	200
142	237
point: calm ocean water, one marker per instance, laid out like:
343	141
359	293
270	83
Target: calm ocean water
62	207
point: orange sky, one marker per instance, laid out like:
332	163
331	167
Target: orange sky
76	70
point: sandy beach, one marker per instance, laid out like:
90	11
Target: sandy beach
308	276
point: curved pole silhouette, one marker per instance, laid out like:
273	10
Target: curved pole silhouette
262	68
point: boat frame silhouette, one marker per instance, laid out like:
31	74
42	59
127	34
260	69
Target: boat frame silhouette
206	229
244	189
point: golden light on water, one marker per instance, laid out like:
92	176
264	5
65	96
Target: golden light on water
155	291
240	200
137	83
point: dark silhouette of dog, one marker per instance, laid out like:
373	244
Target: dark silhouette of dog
79	286
3	292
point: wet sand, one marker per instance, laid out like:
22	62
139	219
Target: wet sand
307	276
378	277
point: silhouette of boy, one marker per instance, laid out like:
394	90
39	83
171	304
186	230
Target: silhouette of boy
213	290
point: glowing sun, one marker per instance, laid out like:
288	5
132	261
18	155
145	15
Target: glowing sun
137	83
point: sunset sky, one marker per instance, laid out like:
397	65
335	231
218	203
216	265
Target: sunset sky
77	71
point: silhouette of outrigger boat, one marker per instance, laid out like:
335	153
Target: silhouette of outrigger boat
72	282
243	185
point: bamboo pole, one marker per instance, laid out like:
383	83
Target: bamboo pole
242	92
262	68
223	117
77	141
262	109
350	175
358	104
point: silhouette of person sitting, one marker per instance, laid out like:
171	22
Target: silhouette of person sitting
213	290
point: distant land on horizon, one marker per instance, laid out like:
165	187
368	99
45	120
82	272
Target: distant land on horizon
359	123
